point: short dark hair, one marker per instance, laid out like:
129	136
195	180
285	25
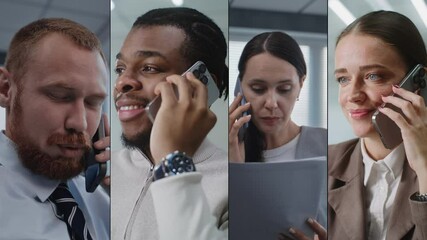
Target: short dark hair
282	46
204	40
394	29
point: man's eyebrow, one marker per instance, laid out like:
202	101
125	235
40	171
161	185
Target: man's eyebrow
340	70
142	53
59	85
67	88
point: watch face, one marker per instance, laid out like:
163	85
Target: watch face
180	163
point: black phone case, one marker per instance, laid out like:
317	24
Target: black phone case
95	171
388	130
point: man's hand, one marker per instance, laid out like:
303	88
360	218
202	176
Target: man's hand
182	122
102	144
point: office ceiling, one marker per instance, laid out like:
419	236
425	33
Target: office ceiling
96	14
316	7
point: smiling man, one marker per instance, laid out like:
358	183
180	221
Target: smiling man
52	86
151	199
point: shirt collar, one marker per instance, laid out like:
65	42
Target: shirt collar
393	161
32	185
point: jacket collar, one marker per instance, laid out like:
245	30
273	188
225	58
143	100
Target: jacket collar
347	199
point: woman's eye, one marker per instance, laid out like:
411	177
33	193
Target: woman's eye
258	90
373	77
284	89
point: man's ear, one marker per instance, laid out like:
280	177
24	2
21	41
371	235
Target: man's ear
215	79
5	88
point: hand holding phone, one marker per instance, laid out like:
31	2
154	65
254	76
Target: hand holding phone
185	121
200	71
238	120
95	171
243	129
388	130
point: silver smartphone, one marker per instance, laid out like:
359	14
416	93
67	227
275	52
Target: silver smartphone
388	130
201	72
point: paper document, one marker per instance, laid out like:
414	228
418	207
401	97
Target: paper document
268	198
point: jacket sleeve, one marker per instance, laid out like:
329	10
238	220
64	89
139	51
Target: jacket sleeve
419	216
182	209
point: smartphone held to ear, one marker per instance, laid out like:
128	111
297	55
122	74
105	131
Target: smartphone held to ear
243	129
95	171
388	130
201	72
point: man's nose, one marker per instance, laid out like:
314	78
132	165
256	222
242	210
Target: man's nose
127	83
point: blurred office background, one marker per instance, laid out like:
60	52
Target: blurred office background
123	15
15	14
340	14
306	22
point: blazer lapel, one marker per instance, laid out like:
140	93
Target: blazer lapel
400	218
347	200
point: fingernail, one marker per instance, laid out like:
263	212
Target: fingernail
310	220
291	230
396	86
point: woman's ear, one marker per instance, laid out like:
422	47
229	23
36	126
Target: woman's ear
301	81
5	88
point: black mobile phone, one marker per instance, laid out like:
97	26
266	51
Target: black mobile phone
201	72
388	130
95	171
243	129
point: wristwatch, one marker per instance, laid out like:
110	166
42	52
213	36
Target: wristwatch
174	164
419	197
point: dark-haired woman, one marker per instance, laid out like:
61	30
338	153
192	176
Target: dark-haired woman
272	71
375	192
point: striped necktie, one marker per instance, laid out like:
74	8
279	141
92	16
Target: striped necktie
67	210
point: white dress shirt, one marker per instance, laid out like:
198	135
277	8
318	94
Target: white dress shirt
27	214
381	180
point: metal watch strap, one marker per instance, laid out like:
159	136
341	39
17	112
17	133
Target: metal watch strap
174	164
419	197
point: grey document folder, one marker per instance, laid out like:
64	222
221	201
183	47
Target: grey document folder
268	198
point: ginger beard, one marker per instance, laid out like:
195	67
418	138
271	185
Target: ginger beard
59	168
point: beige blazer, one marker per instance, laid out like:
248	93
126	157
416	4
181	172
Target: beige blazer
346	194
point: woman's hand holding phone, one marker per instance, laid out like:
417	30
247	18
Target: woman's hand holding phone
413	128
236	120
183	122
